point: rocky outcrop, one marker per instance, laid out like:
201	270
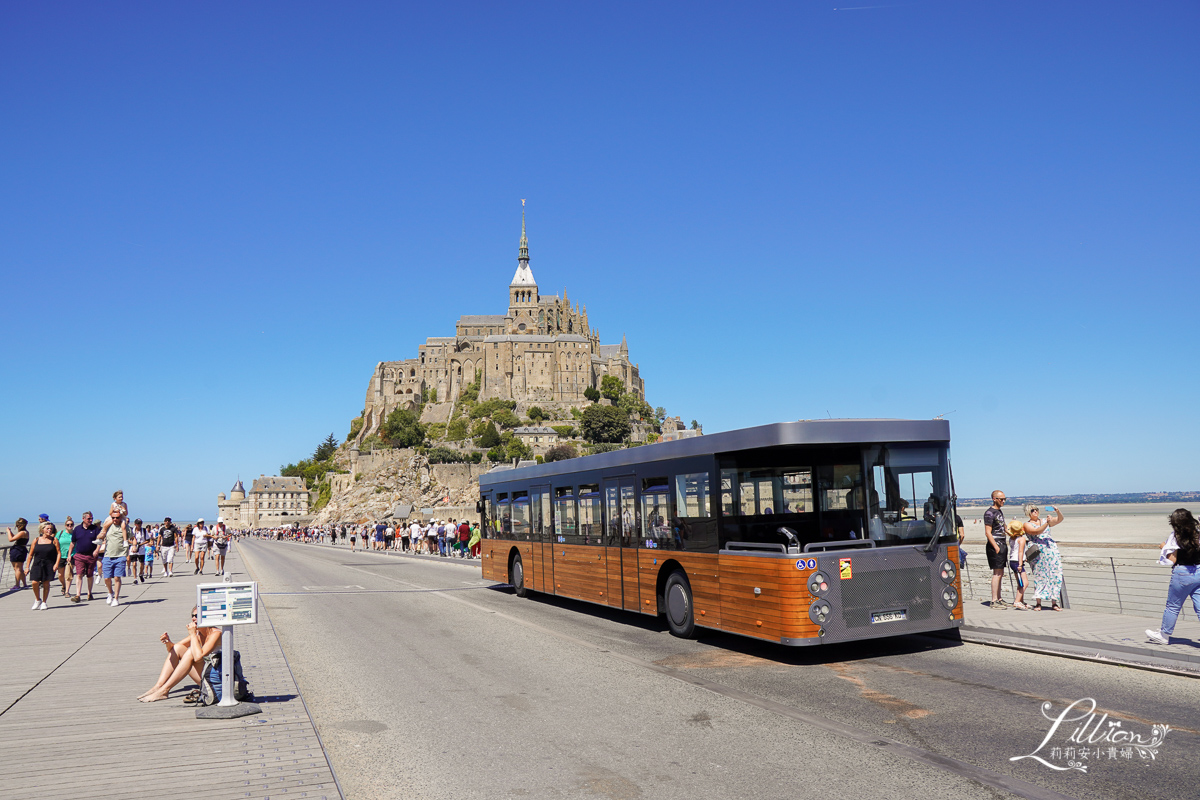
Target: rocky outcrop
376	483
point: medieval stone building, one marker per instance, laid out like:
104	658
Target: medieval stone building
543	351
272	501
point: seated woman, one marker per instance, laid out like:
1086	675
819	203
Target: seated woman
183	658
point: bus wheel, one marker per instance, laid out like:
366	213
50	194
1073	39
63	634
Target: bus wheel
678	601
516	576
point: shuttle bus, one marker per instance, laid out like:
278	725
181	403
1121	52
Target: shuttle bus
800	533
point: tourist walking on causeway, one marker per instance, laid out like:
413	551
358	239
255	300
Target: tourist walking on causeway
997	545
18	552
166	546
200	545
1047	569
64	550
221	535
183	658
83	553
116	543
1182	551
42	563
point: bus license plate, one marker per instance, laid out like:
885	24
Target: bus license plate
888	616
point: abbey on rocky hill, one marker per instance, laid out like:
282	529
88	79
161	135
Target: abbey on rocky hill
542	351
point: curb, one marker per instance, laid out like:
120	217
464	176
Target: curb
1116	655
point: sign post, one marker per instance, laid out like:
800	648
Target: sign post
224	605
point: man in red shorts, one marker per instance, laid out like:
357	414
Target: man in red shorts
83	553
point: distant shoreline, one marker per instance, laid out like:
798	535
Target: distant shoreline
1088	499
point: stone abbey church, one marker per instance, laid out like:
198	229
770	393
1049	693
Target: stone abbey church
542	352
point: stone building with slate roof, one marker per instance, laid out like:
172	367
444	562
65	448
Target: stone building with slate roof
542	352
271	501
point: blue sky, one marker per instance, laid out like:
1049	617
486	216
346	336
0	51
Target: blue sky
216	218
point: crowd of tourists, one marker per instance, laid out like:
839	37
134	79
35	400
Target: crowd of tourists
121	550
446	538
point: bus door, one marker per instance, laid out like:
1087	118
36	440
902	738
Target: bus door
620	519
539	508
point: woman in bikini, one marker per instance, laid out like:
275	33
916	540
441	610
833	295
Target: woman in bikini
183	659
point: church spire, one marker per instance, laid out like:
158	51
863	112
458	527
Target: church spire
524	276
523	255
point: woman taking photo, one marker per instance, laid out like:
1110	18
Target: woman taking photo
42	563
18	551
1182	550
1047	569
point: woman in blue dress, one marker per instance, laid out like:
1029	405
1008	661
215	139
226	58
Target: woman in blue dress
1047	569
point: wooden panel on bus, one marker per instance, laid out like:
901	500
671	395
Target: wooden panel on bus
630	580
487	559
580	571
779	610
612	557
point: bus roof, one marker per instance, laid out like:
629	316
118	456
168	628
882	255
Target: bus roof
804	432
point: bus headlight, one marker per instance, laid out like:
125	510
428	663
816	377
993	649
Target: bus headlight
820	611
818	584
949	597
949	571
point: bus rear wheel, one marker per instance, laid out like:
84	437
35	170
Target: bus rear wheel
677	602
516	576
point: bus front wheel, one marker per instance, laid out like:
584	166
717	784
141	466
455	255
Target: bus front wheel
516	576
677	598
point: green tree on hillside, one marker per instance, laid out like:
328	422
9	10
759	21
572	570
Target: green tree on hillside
403	428
326	449
604	424
592	394
612	387
490	437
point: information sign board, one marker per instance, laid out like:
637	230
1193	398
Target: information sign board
221	604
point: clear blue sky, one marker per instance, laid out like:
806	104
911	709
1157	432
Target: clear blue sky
216	218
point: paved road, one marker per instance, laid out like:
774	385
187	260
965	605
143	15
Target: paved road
427	682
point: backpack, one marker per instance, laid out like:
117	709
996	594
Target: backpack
212	685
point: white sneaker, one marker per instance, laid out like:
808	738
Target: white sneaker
1157	638
116	602
42	607
108	601
35	606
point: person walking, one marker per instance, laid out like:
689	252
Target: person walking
1047	569
464	534
200	545
18	553
136	559
997	545
116	543
83	553
221	538
166	546
475	539
64	549
1182	551
42	562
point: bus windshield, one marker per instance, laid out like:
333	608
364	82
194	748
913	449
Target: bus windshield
908	494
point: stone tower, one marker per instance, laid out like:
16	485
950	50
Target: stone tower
523	291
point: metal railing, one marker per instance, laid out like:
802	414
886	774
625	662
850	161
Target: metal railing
1096	584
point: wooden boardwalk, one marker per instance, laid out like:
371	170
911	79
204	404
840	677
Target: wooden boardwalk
70	723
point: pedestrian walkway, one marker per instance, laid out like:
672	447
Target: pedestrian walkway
70	723
1089	634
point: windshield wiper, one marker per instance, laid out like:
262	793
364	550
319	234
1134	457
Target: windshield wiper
948	514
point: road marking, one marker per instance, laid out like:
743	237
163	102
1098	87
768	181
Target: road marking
987	777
